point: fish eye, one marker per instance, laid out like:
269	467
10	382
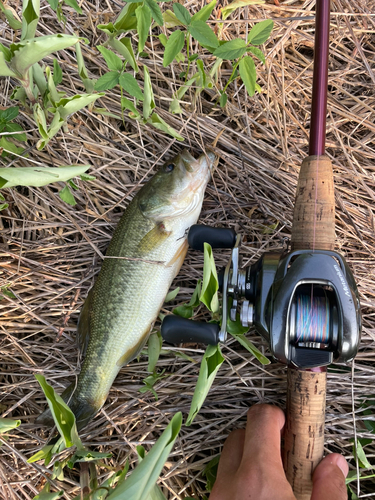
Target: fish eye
169	167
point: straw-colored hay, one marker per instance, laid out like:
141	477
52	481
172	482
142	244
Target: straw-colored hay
50	252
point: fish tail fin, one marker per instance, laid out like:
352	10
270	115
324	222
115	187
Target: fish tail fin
83	410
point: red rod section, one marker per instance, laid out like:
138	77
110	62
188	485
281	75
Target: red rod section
320	79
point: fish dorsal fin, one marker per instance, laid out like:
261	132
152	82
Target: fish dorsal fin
83	330
154	238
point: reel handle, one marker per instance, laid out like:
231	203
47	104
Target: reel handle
177	330
217	237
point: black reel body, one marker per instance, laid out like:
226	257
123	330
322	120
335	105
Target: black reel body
304	303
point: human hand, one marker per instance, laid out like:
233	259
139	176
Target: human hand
251	468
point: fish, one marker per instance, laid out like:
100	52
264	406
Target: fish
145	254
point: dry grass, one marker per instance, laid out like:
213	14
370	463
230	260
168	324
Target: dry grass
50	252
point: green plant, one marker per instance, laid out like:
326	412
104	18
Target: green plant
139	485
41	176
9	130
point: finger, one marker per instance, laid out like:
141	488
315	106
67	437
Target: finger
329	478
229	462
231	455
263	435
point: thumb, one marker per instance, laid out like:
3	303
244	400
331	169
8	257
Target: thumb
329	478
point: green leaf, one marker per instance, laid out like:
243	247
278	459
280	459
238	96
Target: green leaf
9	114
172	295
53	4
245	342
144	20
113	61
49	496
30	18
352	476
260	32
228	9
10	294
6	52
142	480
231	50
9	147
210	472
4	68
74	5
3	206
210	284
130	84
29	52
125	48
42	454
182	14
211	362
86	177
148	102
57	72
14	23
53	95
156	121
63	416
173	47
82	71
39	176
69	105
155	11
6	424
67	196
185	311
175	107
205	12
223	99
126	20
257	53
85	455
154	347
170	19
194	301
14	127
203	33
359	453
248	74
127	104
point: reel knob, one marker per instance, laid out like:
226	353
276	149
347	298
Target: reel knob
177	330
247	313
217	237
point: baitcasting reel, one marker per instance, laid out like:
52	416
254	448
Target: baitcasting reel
304	303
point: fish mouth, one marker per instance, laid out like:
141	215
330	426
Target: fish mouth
192	165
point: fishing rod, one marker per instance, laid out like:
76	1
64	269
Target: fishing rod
303	302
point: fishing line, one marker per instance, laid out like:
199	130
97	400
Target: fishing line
312	318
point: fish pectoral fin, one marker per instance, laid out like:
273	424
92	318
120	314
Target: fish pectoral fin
134	351
179	256
154	238
83	330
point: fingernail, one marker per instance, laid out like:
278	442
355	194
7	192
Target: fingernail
341	463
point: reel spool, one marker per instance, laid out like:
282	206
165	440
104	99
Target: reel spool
304	303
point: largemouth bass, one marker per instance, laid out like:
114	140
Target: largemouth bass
145	254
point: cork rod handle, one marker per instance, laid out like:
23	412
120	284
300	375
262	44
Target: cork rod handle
313	228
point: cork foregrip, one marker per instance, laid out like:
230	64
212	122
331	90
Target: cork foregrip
313	228
314	208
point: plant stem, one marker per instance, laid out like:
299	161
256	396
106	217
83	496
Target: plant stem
231	78
187	55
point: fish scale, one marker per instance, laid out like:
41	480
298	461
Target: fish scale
118	314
